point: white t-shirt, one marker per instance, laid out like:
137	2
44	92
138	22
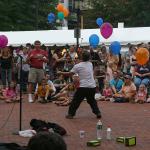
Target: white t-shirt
85	72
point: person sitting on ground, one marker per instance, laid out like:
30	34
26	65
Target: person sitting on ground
141	94
46	141
142	75
64	97
59	83
1	93
10	93
128	91
43	91
107	92
116	83
51	85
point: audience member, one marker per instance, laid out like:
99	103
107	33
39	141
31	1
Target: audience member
59	83
116	83
128	91
46	141
141	94
43	91
25	68
11	94
142	75
107	91
36	58
6	62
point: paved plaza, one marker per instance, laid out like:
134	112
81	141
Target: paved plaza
125	120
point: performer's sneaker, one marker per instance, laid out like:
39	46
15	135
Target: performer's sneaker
98	116
69	116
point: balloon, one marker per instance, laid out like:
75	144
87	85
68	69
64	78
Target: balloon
142	56
60	7
51	17
94	40
3	41
106	30
60	15
99	21
66	12
115	47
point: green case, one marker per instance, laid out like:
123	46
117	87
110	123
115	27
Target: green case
120	139
130	141
93	143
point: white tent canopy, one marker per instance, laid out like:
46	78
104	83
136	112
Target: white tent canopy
62	37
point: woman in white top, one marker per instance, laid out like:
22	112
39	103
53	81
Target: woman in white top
87	86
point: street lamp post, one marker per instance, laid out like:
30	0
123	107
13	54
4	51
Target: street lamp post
77	29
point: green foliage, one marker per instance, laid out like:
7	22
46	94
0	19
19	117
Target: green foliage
17	15
134	13
25	15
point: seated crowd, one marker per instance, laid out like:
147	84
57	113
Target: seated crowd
119	78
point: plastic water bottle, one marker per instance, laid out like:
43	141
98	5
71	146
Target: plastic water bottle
108	134
99	127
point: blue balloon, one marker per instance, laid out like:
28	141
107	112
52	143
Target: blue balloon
99	21
51	17
94	40
115	47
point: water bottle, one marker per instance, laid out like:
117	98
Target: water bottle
99	126
108	134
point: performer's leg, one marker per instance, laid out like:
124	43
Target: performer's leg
75	103
92	101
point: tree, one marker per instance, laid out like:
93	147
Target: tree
25	15
133	13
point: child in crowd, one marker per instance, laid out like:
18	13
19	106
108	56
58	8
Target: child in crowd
59	83
1	93
10	93
126	66
109	72
63	98
43	91
107	92
50	83
148	93
141	94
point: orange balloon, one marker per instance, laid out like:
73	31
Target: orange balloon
66	12
142	56
60	7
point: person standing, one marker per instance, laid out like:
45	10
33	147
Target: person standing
87	86
36	58
25	68
6	62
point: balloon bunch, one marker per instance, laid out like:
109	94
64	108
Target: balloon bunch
106	29
3	41
62	13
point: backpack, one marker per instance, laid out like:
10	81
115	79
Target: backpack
40	125
11	146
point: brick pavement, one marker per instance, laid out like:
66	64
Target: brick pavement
124	119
